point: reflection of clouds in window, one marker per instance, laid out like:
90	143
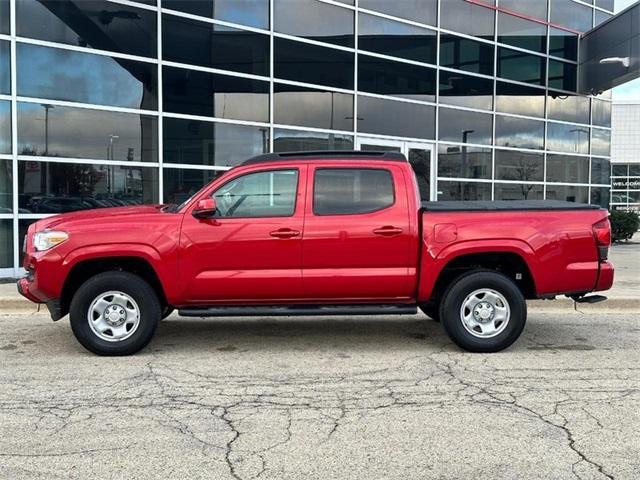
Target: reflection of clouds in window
519	132
5	68
304	107
5	127
567	138
301	18
254	13
84	133
82	77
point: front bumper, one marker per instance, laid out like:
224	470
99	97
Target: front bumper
24	288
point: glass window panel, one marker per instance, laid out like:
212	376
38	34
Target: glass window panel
84	77
6	244
601	112
568	193
285	140
260	194
6	186
396	39
600	168
448	190
308	63
5	67
5	126
301	18
352	191
307	107
567	168
562	75
423	11
387	77
606	4
90	23
207	143
563	44
519	132
519	166
569	108
465	17
466	90
634	170
215	46
464	54
600	196
520	100
388	117
464	126
518	191
600	142
254	13
50	187
532	8
600	17
5	24
570	14
522	33
463	161
567	138
57	131
620	170
214	95
520	66
179	184
420	161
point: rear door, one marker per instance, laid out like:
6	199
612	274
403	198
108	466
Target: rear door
357	238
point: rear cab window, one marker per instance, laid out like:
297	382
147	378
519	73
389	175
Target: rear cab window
352	191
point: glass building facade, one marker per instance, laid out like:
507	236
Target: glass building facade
107	103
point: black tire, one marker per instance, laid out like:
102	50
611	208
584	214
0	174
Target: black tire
465	285
131	285
431	310
166	311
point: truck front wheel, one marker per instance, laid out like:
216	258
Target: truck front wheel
483	311
114	313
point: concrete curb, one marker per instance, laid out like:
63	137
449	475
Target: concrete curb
20	306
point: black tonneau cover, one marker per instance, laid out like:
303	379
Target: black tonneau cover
504	205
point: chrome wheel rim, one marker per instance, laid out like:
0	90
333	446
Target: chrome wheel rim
485	313
113	316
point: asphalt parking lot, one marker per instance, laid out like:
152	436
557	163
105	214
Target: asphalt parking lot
365	398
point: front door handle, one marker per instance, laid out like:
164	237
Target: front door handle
388	231
284	233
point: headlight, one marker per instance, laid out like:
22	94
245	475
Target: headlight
48	239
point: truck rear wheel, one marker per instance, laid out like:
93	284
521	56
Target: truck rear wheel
114	313
483	311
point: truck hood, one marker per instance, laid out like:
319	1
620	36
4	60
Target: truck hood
93	215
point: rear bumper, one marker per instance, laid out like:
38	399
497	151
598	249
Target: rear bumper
605	277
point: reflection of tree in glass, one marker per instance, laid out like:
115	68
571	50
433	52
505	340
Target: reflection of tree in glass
525	170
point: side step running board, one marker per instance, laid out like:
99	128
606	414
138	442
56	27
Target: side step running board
290	310
590	299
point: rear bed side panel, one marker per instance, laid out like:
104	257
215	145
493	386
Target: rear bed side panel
557	246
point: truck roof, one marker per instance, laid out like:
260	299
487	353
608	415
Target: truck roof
327	155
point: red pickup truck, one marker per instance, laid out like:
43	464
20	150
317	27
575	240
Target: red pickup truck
338	233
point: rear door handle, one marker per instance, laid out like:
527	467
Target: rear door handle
388	231
284	233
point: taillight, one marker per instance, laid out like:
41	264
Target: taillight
602	234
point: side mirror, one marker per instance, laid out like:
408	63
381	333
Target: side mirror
205	208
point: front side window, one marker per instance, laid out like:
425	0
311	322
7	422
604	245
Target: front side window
262	194
350	191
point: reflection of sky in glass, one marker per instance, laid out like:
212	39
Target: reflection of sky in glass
79	77
5	126
5	67
567	138
300	17
519	132
254	13
84	133
600	142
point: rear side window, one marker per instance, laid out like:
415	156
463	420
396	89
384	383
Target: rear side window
349	191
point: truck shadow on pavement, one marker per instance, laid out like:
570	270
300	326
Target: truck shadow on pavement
342	334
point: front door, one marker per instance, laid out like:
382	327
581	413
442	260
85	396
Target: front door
421	156
251	251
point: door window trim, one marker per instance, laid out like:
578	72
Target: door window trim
337	167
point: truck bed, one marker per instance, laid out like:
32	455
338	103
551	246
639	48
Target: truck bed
504	205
